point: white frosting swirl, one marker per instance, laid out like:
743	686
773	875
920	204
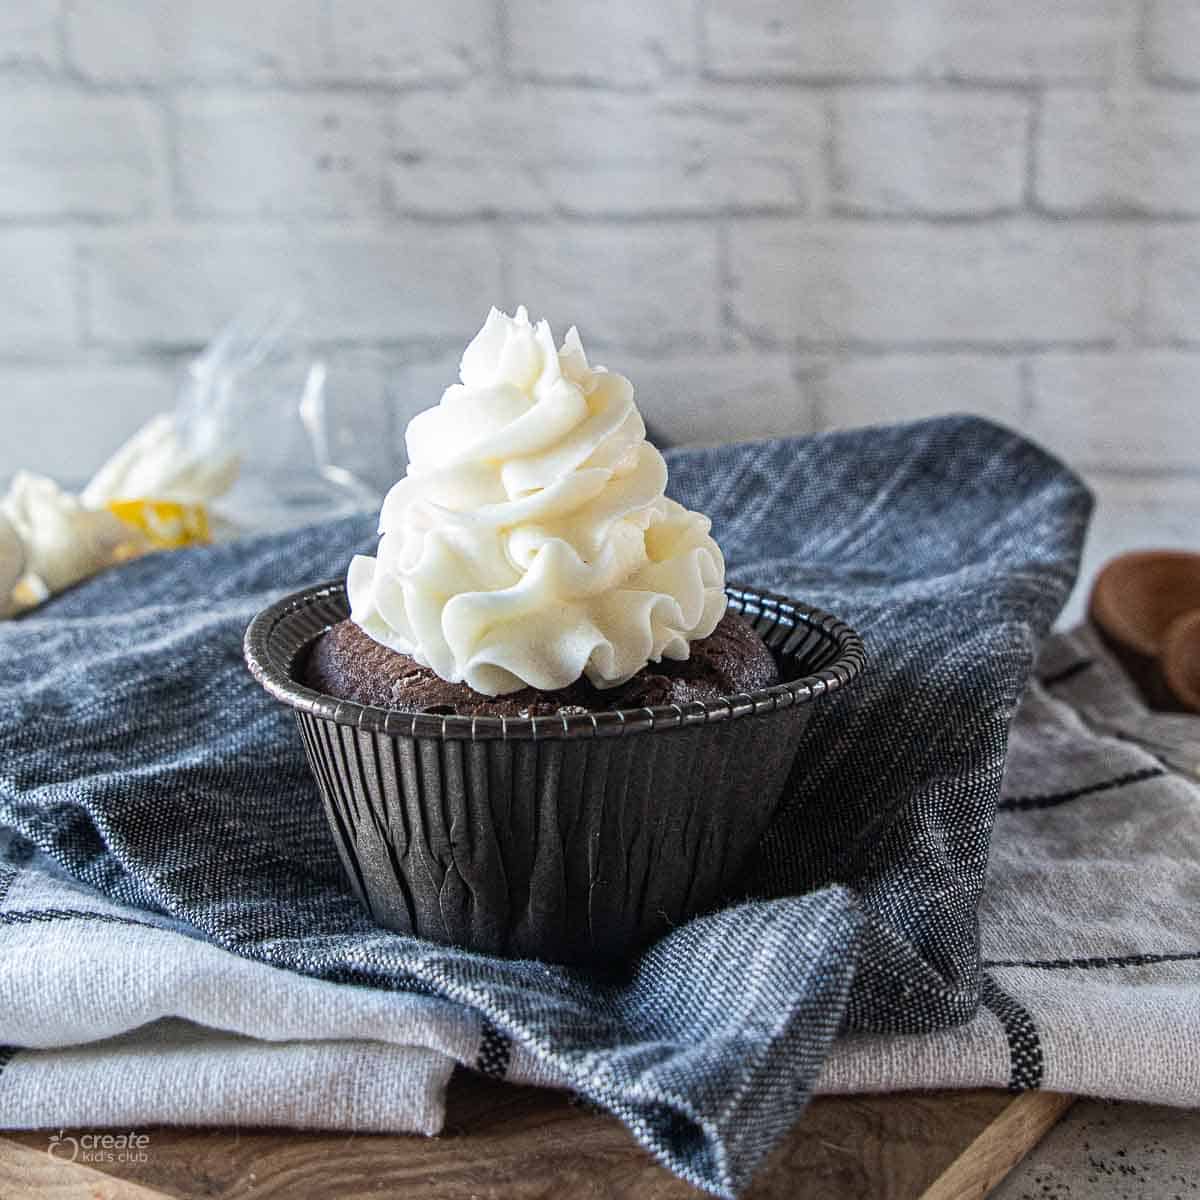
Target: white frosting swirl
531	541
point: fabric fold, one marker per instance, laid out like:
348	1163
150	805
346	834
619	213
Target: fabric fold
137	753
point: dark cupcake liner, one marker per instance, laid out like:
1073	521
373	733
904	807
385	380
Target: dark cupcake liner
574	839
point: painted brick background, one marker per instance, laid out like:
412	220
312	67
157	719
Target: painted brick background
776	215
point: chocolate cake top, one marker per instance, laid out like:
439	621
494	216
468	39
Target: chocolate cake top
349	665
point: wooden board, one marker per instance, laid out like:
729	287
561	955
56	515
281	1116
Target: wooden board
511	1142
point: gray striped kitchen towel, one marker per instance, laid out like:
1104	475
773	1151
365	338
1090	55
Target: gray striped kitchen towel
172	885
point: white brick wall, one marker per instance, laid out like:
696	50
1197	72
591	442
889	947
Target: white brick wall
985	41
64	155
597	41
170	41
691	400
912	387
775	215
279	154
175	290
946	153
993	284
1173	41
380	41
1136	411
1103	154
63	419
639	286
38	312
29	38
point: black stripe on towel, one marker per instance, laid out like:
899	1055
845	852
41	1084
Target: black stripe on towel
7	1054
38	915
1026	1065
1053	799
1095	964
495	1052
1076	668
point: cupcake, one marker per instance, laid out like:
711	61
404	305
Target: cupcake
541	722
349	664
530	562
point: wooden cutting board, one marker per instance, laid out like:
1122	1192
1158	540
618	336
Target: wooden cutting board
507	1142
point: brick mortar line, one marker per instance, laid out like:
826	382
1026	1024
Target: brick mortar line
340	228
1026	393
388	220
884	84
1133	254
1033	130
708	343
71	80
1115	471
325	35
808	357
671	87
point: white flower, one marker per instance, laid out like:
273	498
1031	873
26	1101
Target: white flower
12	565
62	541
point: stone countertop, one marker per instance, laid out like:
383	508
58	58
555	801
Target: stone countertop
1105	1150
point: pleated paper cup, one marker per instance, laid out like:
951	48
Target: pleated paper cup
573	839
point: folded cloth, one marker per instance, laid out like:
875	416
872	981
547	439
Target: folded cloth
1092	980
1089	924
138	755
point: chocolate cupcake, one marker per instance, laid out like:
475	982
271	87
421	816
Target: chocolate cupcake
529	727
350	665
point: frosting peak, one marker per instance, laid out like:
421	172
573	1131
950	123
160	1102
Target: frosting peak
531	541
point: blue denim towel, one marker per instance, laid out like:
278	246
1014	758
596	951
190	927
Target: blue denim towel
136	750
